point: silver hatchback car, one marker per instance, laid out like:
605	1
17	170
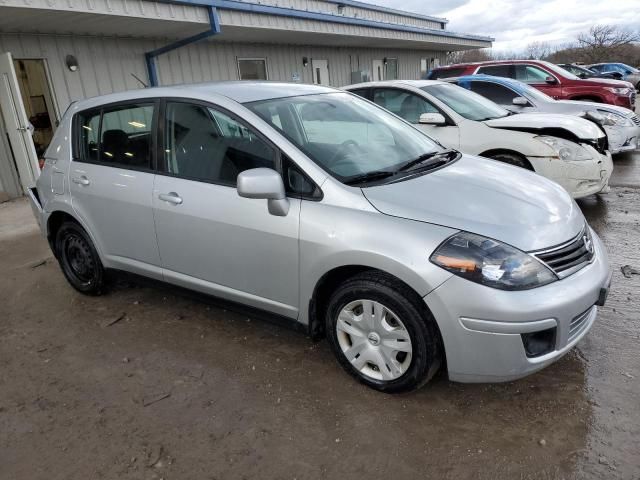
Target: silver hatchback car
324	209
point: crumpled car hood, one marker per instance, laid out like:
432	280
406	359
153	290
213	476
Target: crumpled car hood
581	128
486	197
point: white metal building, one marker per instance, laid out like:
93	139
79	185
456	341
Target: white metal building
53	52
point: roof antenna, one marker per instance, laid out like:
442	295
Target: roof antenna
138	79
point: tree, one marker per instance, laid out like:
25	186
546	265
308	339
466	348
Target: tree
604	42
538	50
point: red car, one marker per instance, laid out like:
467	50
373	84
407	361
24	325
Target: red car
549	78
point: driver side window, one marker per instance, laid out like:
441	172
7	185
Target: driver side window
406	105
494	92
208	145
531	74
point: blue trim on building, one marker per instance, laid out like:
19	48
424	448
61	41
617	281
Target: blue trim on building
150	57
324	17
378	8
214	21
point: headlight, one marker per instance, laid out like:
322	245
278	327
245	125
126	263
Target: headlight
566	150
619	90
491	263
611	118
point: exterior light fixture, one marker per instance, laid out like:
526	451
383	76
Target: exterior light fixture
72	63
384	60
305	61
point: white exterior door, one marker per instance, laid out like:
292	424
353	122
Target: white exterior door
378	71
17	123
320	72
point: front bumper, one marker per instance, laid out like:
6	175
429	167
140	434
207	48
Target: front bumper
623	139
579	178
481	327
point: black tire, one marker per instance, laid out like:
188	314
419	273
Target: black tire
409	308
512	159
79	259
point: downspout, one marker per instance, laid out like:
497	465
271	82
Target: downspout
150	57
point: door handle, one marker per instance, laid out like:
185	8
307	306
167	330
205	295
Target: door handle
82	180
171	197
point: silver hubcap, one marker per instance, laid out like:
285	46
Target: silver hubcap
374	340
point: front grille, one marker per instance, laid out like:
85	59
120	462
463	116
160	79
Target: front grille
569	257
635	119
577	324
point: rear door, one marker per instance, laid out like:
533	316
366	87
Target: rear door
210	238
409	106
111	182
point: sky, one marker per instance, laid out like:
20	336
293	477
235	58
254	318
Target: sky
516	23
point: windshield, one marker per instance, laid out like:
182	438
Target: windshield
346	135
468	104
627	67
560	71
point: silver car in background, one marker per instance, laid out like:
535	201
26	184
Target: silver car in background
321	208
621	124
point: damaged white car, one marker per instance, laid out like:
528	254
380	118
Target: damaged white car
569	150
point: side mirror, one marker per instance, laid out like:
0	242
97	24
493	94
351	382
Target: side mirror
617	75
520	101
432	119
582	75
264	183
551	80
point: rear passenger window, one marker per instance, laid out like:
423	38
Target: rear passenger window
496	70
119	136
207	145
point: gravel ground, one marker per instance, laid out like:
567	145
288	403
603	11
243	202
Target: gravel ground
146	384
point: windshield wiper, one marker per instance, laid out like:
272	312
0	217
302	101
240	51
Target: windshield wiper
428	160
370	177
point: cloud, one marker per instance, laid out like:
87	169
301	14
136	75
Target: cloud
514	24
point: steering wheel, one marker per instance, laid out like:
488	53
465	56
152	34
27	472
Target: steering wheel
341	150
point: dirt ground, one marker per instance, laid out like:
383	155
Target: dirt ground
145	384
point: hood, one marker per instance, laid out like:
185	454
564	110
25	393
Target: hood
486	197
609	82
596	106
531	122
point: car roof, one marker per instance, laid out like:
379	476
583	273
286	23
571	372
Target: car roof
239	91
507	82
490	62
396	83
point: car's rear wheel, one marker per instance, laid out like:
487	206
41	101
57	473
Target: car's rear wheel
512	159
381	334
79	259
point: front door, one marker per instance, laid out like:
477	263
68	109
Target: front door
320	71
378	71
111	181
17	124
210	238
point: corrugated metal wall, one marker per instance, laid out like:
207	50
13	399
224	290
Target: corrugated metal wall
106	64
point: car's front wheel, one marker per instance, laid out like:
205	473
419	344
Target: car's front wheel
512	159
381	334
79	259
